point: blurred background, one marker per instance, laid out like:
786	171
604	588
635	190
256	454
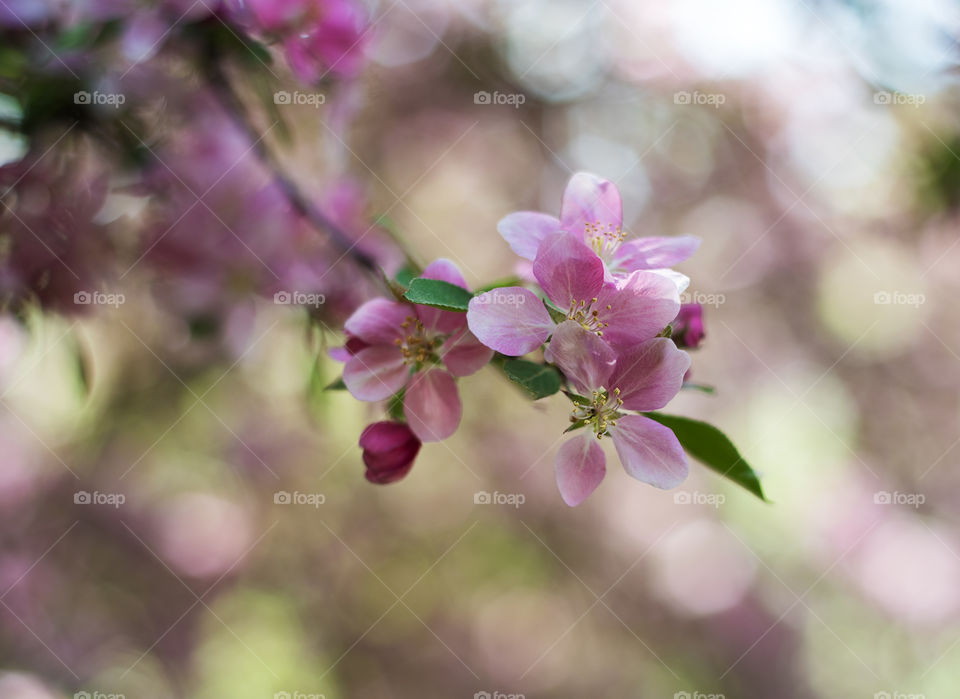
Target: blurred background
183	509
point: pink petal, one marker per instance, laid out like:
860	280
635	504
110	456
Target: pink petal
649	451
378	322
525	230
339	354
463	354
654	253
640	306
432	405
511	320
375	373
580	466
583	357
589	199
446	271
650	375
568	270
435	319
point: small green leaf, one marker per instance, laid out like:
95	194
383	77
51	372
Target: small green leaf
83	366
499	284
396	288
439	294
556	315
395	408
538	380
337	385
579	400
405	276
712	447
702	387
575	426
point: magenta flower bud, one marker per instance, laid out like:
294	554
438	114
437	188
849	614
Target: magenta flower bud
389	449
688	327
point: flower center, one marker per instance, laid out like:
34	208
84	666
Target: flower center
601	413
603	239
583	312
416	347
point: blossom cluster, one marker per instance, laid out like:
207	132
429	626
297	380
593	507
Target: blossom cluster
601	310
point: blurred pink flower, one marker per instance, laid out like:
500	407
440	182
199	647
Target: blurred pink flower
221	220
646	377
318	36
592	209
512	320
688	326
389	450
55	249
418	348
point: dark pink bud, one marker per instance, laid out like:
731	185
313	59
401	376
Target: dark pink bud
389	449
688	327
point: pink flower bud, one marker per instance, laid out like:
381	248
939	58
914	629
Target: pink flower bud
389	449
688	327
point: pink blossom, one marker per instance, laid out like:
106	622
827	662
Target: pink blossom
389	450
592	210
417	348
645	377
624	312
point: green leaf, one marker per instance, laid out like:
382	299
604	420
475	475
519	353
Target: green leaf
712	447
575	426
556	315
702	387
405	276
579	400
395	408
439	294
83	365
396	288
499	284
337	385
538	380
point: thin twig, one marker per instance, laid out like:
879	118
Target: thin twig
233	105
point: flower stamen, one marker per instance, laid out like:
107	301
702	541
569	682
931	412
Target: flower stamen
604	239
601	413
416	347
588	317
